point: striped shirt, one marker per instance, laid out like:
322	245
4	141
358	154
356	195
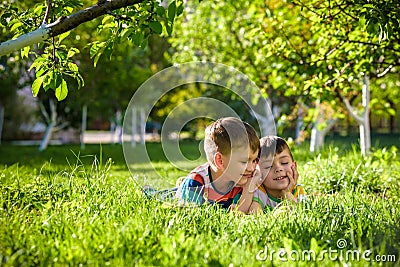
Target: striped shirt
269	202
198	188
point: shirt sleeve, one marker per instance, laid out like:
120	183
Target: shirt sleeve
259	197
192	190
299	190
301	194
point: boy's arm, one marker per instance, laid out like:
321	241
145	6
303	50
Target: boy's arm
255	208
246	198
293	177
191	190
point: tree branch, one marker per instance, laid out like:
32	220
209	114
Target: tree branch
64	24
352	112
327	83
384	72
46	16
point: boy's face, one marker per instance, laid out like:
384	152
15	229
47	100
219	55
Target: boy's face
240	165
275	170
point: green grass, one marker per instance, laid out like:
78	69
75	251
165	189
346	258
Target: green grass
64	206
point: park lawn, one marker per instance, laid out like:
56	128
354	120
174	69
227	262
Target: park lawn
65	206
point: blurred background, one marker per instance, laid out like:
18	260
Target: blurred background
327	75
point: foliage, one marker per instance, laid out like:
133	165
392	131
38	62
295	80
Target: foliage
82	208
298	51
54	60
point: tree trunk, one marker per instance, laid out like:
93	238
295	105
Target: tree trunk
317	134
118	129
365	129
112	130
317	139
51	122
142	126
363	119
83	130
299	124
133	127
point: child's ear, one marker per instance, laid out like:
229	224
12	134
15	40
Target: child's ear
218	160
295	163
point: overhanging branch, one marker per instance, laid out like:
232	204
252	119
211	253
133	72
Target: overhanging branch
64	24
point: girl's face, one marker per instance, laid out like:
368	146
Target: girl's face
275	170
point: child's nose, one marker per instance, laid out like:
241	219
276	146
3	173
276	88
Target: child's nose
251	166
278	168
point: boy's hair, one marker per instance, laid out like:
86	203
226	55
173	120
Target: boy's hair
227	133
272	145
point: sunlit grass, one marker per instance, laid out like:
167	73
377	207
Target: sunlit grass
70	207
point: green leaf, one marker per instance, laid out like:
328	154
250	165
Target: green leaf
93	49
73	67
38	10
156	27
41	71
72	52
96	51
107	19
363	21
160	11
79	80
144	43
96	59
126	32
25	51
63	36
179	10
172	11
137	38
62	90
52	80
391	111
108	50
61	55
15	26
36	85
169	26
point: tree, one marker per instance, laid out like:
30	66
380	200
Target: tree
132	20
298	50
355	42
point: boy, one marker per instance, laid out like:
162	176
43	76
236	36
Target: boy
231	147
278	172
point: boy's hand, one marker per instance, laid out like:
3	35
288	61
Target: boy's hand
293	177
295	173
256	180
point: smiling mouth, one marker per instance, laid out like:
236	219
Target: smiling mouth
280	178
